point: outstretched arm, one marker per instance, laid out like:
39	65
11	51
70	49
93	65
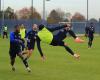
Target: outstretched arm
71	32
39	49
39	46
77	39
57	28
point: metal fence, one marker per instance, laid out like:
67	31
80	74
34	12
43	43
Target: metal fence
78	28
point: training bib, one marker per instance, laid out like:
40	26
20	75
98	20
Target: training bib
45	36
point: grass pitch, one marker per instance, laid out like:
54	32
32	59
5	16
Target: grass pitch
59	65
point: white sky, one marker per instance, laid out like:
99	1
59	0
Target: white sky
66	5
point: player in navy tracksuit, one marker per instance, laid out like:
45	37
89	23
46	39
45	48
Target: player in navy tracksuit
31	39
90	30
15	48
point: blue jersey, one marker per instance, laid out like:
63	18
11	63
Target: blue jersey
15	44
15	39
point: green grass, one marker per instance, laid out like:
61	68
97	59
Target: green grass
58	66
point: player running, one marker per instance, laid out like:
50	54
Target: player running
15	48
90	30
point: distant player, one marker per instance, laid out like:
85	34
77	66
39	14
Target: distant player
90	30
15	48
31	40
5	31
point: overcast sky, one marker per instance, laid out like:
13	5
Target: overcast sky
66	5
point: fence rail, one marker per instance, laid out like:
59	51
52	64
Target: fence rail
78	28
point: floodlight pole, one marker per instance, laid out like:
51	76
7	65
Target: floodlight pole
3	14
32	5
87	2
43	9
44	6
0	11
87	10
32	10
0	5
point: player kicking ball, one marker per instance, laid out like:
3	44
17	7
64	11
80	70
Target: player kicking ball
45	35
15	48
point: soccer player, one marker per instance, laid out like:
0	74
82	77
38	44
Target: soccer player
23	33
90	30
5	33
45	35
31	39
15	48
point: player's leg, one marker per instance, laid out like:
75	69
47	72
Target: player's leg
3	35
30	53
61	43
90	42
6	35
27	53
12	59
12	63
30	47
68	49
24	61
71	51
92	38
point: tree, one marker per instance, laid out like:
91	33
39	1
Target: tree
9	13
23	13
78	17
68	17
55	16
34	14
28	13
61	14
1	14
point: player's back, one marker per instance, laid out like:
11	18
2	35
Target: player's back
61	35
